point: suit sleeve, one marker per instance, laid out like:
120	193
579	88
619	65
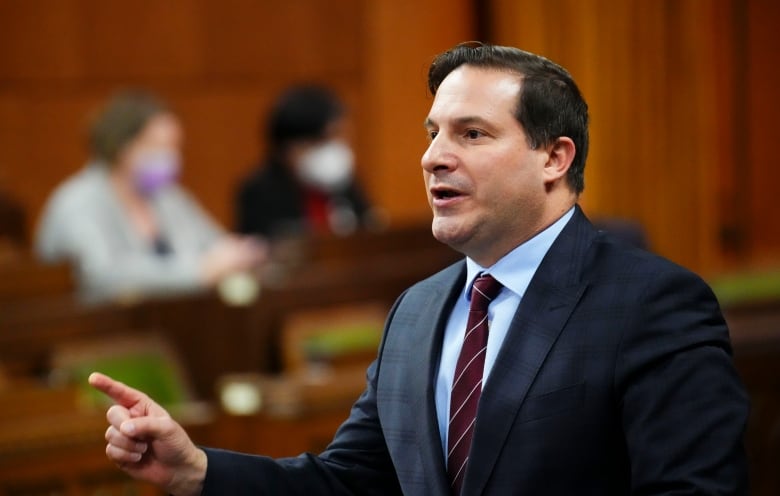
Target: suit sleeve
357	462
683	407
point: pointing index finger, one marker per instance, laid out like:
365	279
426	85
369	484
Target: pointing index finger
121	393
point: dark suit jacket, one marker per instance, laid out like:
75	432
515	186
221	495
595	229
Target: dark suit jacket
614	379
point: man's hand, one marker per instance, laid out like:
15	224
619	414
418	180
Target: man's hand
144	441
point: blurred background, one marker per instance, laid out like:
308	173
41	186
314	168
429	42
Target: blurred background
683	101
682	97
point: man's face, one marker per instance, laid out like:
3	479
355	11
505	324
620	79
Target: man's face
485	185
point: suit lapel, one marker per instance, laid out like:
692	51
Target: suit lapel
432	318
543	312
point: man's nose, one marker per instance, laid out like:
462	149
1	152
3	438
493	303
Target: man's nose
439	156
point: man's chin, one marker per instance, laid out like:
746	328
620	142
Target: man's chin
450	233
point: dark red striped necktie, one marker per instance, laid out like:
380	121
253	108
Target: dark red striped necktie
467	384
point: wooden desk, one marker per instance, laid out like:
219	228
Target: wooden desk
24	278
31	329
48	446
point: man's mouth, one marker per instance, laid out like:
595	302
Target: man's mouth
444	193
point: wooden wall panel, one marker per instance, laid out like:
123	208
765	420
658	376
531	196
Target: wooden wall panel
299	39
730	123
759	160
662	86
14	133
402	37
40	40
42	140
129	41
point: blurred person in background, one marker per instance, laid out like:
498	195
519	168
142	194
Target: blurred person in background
305	184
125	223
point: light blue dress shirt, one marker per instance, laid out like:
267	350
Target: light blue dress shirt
514	271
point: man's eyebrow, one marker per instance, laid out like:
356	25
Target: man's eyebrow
472	119
461	121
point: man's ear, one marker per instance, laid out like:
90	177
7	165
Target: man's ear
560	156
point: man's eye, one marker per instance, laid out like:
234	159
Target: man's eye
473	134
432	134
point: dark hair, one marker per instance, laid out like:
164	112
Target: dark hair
302	112
120	120
549	106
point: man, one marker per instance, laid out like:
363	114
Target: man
606	370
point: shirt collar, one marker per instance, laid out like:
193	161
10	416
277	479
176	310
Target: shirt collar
515	269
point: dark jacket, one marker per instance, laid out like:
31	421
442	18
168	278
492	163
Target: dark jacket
271	202
615	379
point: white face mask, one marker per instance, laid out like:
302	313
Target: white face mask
327	167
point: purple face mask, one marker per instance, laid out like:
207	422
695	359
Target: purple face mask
154	171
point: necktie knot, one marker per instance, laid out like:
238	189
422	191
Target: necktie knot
484	290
